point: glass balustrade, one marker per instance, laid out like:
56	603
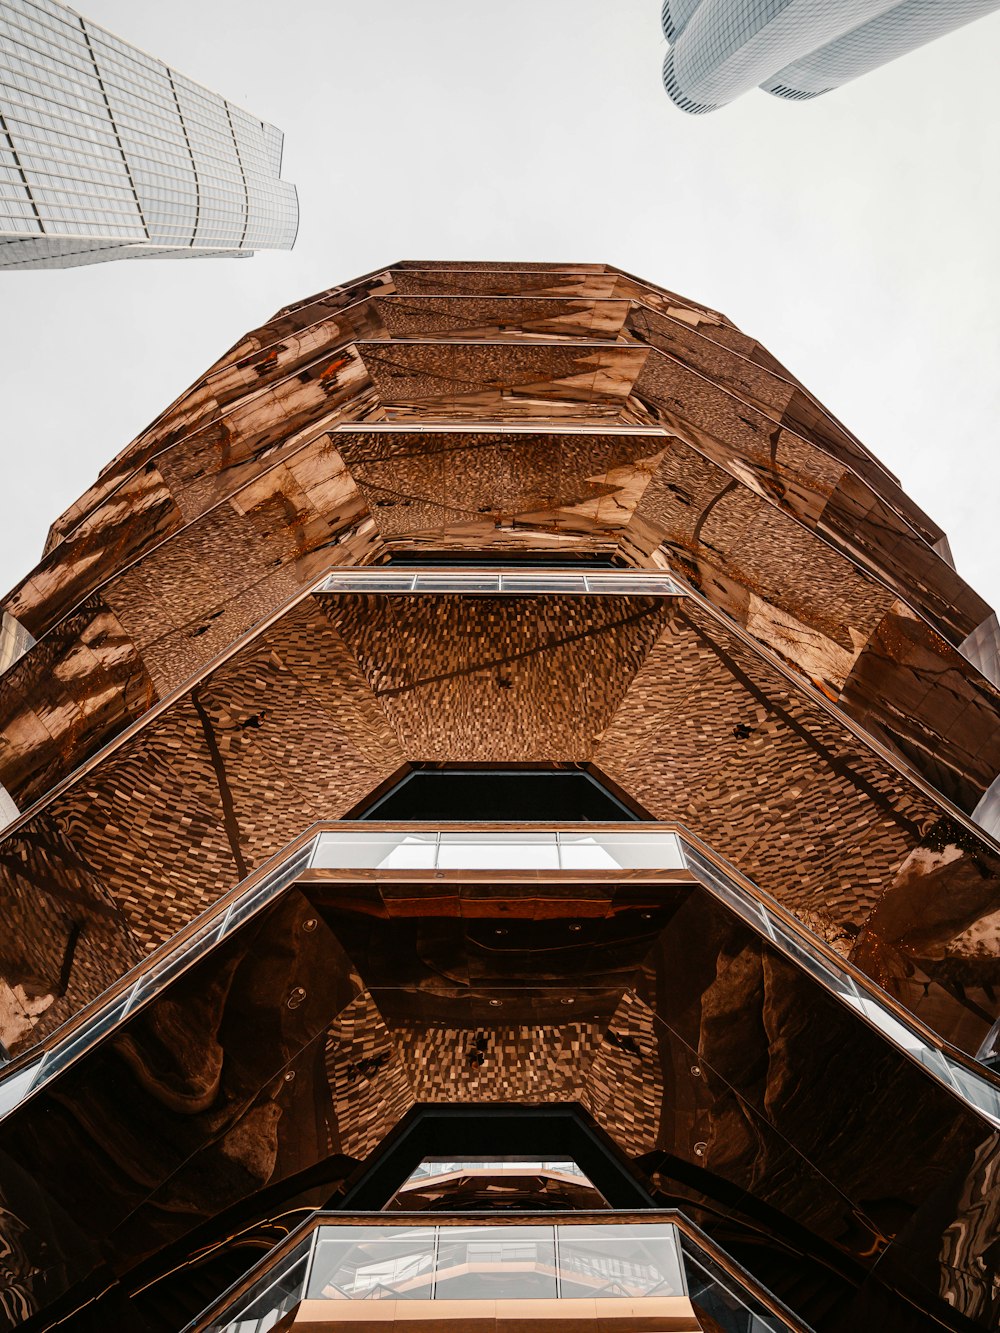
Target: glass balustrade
552	851
465	1260
522	582
475	1262
432	1167
544	850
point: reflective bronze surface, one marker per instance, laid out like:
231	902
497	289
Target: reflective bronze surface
819	705
249	484
326	703
749	1097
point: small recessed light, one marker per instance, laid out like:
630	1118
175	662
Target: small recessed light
496	1003
296	997
310	924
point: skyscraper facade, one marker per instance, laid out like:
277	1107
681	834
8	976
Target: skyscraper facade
499	837
794	48
106	153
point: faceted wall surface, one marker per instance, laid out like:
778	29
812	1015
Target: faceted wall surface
819	706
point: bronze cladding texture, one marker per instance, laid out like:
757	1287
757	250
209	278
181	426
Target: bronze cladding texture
193	703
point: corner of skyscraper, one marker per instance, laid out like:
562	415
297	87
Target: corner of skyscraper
106	153
797	49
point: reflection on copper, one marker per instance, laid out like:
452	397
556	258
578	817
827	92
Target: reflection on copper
182	697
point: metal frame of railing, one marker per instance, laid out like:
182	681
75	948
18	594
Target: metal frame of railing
227	1308
508	582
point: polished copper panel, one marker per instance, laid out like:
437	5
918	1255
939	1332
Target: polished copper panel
244	459
329	701
744	1091
811	708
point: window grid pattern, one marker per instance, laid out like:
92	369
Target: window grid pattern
103	148
674	17
896	33
793	48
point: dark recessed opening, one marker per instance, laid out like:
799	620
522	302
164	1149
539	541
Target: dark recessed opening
499	795
496	1130
505	560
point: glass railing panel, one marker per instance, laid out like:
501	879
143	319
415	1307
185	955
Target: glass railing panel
936	1063
717	1294
277	1291
542	581
250	903
430	1168
501	851
15	641
899	1033
629	582
15	1086
487	851
162	969
980	1094
282	875
619	1262
376	851
279	875
496	1263
373	1263
811	960
585	852
523	582
724	888
368	581
66	1051
271	885
634	851
457	581
8	808
484	1262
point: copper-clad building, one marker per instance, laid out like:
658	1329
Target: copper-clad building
501	803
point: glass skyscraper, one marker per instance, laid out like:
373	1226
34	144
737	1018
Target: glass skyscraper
106	153
794	48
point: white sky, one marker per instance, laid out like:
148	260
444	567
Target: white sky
855	235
